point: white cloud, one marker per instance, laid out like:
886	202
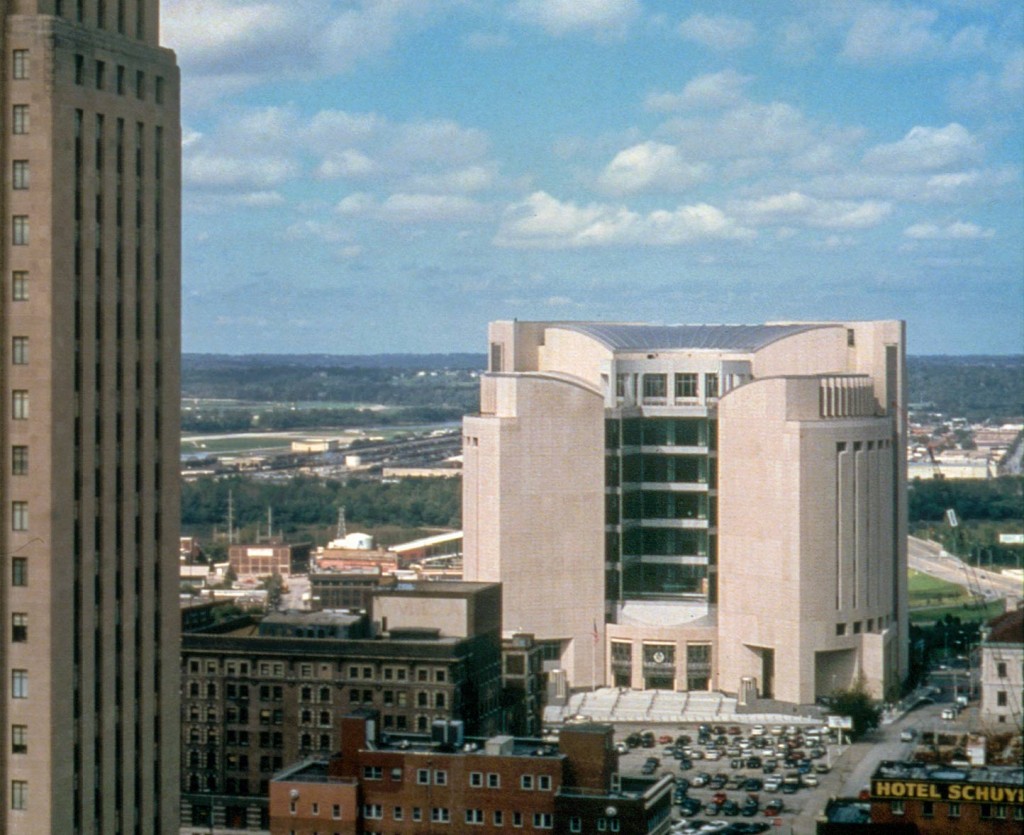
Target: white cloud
419	208
469	179
227	46
347	163
651	166
925	149
721	33
261	199
358	203
205	170
882	32
795	206
544	222
559	17
885	33
412	208
957	230
715	90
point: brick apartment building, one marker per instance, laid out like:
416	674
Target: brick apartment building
259	696
455	784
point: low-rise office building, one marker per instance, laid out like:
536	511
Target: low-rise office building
258	696
456	784
1002	669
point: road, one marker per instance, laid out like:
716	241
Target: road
930	558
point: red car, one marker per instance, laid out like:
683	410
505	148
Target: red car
664	740
773	809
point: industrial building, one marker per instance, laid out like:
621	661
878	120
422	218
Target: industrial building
711	507
89	400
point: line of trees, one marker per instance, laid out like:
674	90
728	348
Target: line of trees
306	501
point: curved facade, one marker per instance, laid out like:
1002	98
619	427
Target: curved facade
696	507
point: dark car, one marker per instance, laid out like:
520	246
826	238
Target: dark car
690	806
685	764
774	808
745	827
711	809
650	765
647	739
633	740
730	808
790	788
753	762
718	781
683	739
750	808
753	784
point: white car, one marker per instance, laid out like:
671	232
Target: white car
809	780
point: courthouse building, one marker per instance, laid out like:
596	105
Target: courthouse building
714	507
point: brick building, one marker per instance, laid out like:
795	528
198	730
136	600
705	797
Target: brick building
452	784
347	589
268	559
944	800
260	696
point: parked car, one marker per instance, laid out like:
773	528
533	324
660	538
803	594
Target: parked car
750	808
650	765
774	808
821	768
690	806
718	781
685	764
647	739
753	784
908	735
633	740
809	780
664	739
711	809
700	779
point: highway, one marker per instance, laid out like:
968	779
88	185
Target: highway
930	558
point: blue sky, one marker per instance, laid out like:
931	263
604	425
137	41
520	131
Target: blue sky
379	176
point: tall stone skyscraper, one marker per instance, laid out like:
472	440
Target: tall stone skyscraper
89	388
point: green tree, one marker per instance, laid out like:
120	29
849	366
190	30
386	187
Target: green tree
275	590
857	703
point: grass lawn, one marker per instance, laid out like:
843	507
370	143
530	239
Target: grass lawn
965	612
931	599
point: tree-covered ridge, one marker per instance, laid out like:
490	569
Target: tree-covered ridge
306	501
997	499
975	387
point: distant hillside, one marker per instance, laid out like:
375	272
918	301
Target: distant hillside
427	362
973	387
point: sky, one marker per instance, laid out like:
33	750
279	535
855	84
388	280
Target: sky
387	176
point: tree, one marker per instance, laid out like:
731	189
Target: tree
857	703
275	590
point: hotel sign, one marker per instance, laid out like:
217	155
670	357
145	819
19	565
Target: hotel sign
952	792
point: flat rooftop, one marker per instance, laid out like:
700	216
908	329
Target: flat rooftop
1000	775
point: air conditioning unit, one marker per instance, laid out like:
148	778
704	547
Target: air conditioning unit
448	732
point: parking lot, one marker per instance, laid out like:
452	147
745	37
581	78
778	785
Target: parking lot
735	777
